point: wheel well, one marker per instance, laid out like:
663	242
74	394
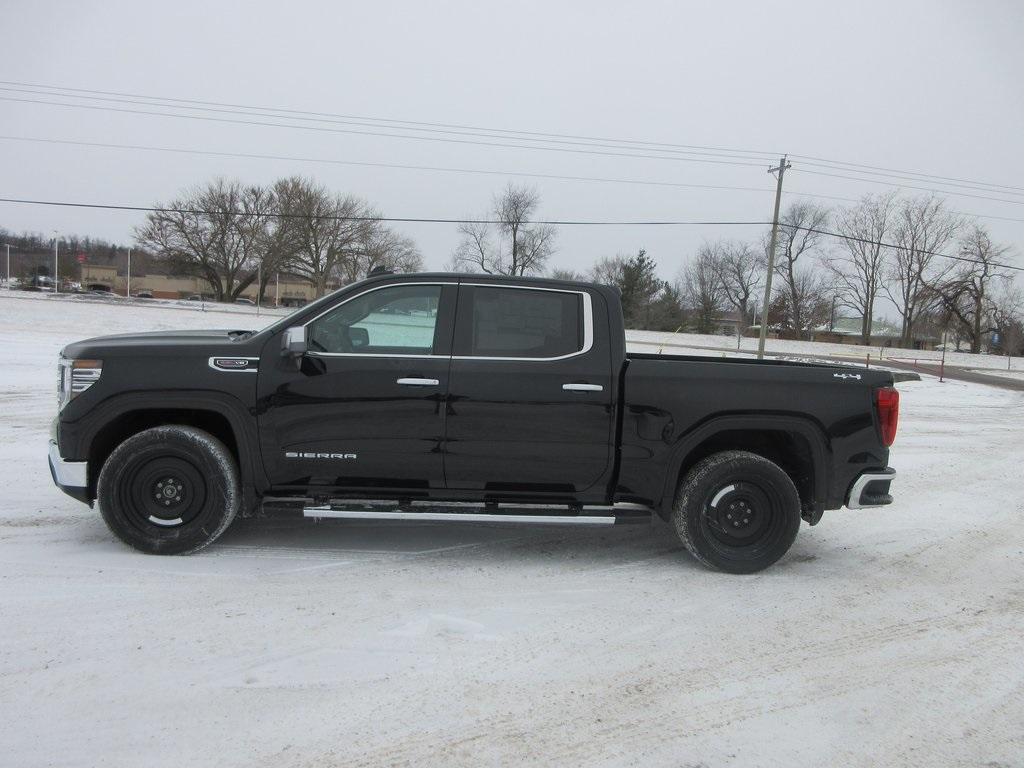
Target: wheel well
133	422
789	450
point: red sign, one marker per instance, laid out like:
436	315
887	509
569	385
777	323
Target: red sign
81	258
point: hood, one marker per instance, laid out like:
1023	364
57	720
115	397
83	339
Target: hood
132	343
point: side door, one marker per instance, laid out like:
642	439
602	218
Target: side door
363	409
530	396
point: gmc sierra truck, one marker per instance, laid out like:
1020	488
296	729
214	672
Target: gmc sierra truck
465	398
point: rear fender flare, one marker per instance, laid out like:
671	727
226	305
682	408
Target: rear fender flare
805	428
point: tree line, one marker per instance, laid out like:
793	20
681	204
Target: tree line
828	260
884	249
232	234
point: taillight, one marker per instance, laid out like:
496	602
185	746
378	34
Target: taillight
887	405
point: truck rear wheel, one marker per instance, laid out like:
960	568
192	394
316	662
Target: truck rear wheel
169	490
737	512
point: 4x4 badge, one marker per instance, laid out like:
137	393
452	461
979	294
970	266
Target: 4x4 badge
846	376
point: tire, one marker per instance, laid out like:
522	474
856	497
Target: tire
737	512
169	490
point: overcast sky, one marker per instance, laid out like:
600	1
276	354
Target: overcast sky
933	87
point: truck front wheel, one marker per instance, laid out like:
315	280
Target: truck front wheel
169	490
737	512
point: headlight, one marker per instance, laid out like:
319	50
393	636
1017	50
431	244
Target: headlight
76	376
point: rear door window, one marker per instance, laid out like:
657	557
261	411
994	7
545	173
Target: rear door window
518	322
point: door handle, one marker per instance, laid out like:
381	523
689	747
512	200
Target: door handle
413	382
582	387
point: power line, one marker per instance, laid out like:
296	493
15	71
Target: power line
360	163
973	188
283	116
511	132
924	176
443	169
893	246
554	222
395	219
320	129
908	186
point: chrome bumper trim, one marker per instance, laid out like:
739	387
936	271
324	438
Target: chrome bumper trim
68	474
853	499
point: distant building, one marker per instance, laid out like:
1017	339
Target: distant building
287	292
847	330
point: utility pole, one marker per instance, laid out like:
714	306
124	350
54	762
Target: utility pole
128	290
277	290
8	247
781	170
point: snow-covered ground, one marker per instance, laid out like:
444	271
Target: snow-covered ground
892	636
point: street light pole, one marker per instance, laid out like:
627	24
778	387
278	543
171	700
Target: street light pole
259	283
56	268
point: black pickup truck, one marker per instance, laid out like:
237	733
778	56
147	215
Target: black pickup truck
464	397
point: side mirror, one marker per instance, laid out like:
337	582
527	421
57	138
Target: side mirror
358	337
294	343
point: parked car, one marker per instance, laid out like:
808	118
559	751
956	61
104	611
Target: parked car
508	399
144	295
243	300
195	297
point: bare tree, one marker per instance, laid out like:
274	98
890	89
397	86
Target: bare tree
378	246
922	227
267	235
328	231
740	272
702	287
521	248
609	270
859	268
798	242
569	275
1008	317
812	298
474	252
208	234
967	292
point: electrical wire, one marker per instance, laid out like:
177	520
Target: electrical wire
352	131
908	186
281	116
554	222
893	246
903	174
368	164
396	219
510	132
442	169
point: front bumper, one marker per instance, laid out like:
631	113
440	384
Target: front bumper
72	477
871	489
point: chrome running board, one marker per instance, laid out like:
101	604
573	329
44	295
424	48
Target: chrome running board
529	514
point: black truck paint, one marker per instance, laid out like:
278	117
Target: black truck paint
463	414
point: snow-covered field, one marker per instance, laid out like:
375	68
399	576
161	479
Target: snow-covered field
650	340
886	637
